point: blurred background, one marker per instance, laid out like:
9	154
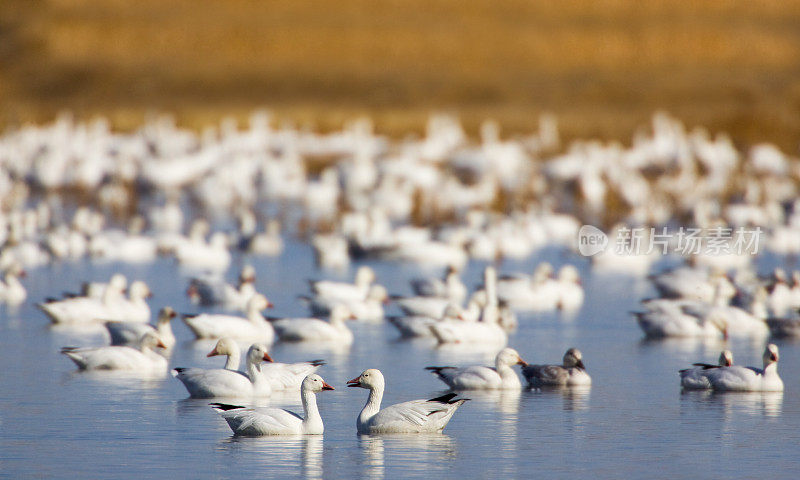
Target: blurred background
602	67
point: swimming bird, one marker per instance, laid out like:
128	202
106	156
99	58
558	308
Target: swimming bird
315	329
501	376
209	291
749	379
415	416
694	378
139	360
570	373
255	327
277	421
227	382
126	333
343	291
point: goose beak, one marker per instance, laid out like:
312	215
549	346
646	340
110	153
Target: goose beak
522	362
267	358
354	382
160	344
325	386
270	304
191	291
773	357
580	365
213	353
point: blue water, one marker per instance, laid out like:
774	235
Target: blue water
633	422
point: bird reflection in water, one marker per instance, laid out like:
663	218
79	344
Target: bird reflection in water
731	404
414	452
286	453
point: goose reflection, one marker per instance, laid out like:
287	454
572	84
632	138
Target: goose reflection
284	453
733	404
504	401
575	398
415	452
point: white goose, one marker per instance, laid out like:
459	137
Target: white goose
451	287
227	382
277	421
112	306
142	360
126	333
570	373
342	291
369	309
12	292
484	378
419	326
694	378
749	379
212	291
416	416
314	329
213	255
255	327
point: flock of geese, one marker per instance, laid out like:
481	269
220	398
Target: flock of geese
75	190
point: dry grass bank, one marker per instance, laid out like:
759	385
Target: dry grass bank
601	66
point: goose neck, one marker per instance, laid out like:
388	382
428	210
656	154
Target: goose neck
234	358
311	417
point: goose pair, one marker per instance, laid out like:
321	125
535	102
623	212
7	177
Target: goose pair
213	291
130	333
729	377
111	306
227	381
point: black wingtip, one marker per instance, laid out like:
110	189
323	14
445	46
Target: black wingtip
225	406
189	315
179	369
446	398
318	362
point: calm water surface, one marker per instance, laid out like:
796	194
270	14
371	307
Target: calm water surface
633	422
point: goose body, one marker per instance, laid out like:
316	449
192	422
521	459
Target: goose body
499	377
212	291
139	360
570	373
314	329
127	333
254	327
343	291
228	382
695	379
415	416
277	421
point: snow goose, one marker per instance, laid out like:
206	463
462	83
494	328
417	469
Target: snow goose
227	382
111	306
570	291
277	421
209	291
483	378
680	318
342	291
420	326
140	360
213	255
126	333
421	306
694	378
254	327
538	292
12	292
570	373
314	329
749	379
451	287
416	416
369	309
132	309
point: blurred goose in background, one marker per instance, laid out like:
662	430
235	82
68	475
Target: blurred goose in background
570	373
694	378
314	329
416	416
199	255
212	290
538	292
227	382
501	376
142	360
112	306
12	292
748	379
127	333
570	291
254	327
342	291
694	282
451	287
331	251
420	326
369	309
277	421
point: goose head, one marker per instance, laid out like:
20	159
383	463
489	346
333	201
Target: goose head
371	379
726	358
165	315
248	274
770	355
314	383
543	272
257	354
257	303
139	291
509	357
118	282
340	313
224	346
151	340
569	274
378	293
364	276
574	358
